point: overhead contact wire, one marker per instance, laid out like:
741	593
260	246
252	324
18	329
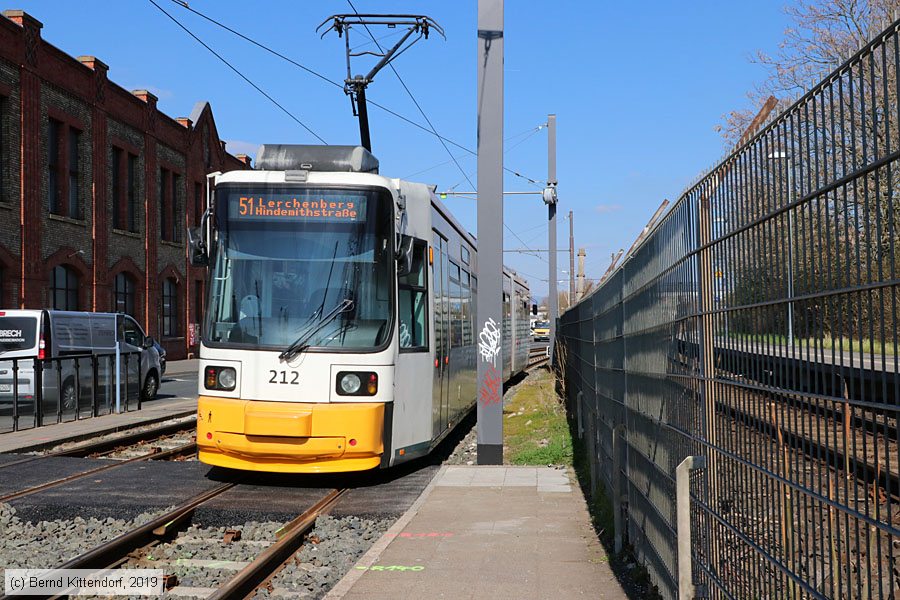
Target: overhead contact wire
413	98
241	75
336	84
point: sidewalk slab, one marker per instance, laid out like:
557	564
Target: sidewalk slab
39	438
483	532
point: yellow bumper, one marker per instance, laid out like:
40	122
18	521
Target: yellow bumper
289	437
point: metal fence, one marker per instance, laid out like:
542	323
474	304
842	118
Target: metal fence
35	392
756	327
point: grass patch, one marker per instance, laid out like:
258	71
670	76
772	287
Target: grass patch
535	431
845	344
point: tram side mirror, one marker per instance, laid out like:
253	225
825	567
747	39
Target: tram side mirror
405	256
534	309
197	248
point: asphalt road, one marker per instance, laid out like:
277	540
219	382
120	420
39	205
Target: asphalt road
178	385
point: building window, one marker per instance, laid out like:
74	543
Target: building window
74	208
4	148
168	205
64	288
169	308
123	294
53	137
118	193
173	205
164	203
131	182
124	189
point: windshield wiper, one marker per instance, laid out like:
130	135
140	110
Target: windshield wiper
300	344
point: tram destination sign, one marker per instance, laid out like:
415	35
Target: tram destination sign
331	208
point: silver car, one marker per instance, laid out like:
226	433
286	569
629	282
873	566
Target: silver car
69	346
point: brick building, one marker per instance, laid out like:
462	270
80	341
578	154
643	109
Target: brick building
97	188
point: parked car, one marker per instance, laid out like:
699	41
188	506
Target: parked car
57	337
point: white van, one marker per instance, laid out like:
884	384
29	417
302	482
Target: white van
57	338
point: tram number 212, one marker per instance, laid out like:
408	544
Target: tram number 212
284	377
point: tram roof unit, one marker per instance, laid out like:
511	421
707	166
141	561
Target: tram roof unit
297	157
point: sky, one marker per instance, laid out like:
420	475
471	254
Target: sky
638	90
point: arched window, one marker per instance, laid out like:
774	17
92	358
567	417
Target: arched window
169	308
123	294
64	288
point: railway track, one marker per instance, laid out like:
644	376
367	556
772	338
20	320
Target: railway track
855	437
133	548
537	356
106	446
832	432
153	454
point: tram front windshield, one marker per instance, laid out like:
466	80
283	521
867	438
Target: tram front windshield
310	264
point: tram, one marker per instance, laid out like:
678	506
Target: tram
340	322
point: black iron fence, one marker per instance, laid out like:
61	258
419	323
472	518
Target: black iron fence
35	392
756	329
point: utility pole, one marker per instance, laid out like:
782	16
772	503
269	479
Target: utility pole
571	260
580	287
550	200
489	309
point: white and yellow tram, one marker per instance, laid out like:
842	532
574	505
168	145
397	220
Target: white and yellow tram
340	325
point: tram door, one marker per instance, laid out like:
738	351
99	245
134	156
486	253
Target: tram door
441	388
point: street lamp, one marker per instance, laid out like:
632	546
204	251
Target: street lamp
790	316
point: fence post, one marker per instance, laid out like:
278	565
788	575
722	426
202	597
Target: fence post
683	523
118	380
59	389
38	391
707	349
95	386
15	406
140	382
617	485
77	389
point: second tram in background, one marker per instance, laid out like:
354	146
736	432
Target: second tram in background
340	328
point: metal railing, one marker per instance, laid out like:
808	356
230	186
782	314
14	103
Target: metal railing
755	329
36	392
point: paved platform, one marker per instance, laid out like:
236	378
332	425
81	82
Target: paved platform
38	438
488	532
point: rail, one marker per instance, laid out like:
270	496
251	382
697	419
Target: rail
537	356
101	447
115	551
267	564
152	454
757	327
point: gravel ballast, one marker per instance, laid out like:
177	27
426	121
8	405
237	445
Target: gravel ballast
331	550
47	544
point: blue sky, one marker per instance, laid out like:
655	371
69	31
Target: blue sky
637	89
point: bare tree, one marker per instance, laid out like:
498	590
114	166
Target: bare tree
823	35
837	237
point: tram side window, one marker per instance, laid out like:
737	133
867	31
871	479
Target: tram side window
413	303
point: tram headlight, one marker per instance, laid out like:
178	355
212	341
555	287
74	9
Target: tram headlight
357	384
220	378
227	378
350	383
